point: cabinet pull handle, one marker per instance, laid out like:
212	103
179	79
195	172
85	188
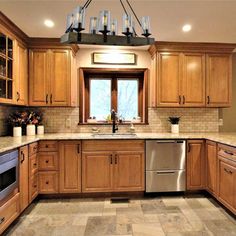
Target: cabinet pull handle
189	147
2	220
78	148
116	159
46	161
46	146
183	99
179	99
208	99
23	157
51	99
111	159
47	182
228	171
47	99
18	96
228	152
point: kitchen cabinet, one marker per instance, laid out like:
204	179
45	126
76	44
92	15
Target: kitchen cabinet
219	80
227	176
195	165
24	177
7	67
48	167
9	212
181	79
52	78
70	166
211	167
21	77
33	171
112	166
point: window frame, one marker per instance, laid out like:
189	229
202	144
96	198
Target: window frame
86	74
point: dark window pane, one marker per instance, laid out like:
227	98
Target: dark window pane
2	44
100	98
2	67
9	69
128	98
2	88
10	48
9	89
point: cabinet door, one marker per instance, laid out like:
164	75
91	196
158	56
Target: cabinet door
193	84
169	79
70	166
33	187
38	79
219	80
24	177
211	166
21	85
48	160
48	182
97	171
60	77
195	165
227	183
129	171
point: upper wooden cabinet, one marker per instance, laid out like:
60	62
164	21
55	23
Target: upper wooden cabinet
181	79
191	74
219	80
21	79
52	79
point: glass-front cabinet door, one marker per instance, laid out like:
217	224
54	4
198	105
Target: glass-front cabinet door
6	67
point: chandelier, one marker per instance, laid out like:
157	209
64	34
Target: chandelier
104	31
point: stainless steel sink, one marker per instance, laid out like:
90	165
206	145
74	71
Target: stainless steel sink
109	135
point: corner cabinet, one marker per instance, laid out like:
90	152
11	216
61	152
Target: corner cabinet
52	79
112	166
219	80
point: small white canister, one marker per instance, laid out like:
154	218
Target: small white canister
17	131
30	130
174	128
40	129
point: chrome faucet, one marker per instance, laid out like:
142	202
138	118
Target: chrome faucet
114	118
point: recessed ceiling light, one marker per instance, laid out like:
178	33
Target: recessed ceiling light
49	23
186	28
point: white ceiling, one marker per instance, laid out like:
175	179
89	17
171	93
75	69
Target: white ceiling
212	21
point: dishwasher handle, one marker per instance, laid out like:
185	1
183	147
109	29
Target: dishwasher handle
165	172
169	141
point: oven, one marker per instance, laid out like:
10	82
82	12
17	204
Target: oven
8	173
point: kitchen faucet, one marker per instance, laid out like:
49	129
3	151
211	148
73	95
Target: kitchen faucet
114	118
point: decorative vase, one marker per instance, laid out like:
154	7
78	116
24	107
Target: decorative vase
174	128
17	131
30	130
40	129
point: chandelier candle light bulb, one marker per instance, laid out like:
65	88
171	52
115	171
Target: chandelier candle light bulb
93	25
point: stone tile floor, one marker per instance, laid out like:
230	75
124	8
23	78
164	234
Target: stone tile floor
149	216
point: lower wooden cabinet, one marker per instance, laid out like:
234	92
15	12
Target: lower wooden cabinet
48	182
195	165
24	177
33	187
116	167
9	212
211	167
70	166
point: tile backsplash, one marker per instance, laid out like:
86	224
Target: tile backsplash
192	120
60	119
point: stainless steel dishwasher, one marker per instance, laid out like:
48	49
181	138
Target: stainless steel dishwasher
165	165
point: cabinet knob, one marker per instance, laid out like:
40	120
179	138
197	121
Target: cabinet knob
46	146
35	186
35	164
47	182
2	220
46	161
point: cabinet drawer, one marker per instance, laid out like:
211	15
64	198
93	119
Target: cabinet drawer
48	146
8	212
48	160
48	182
33	148
33	187
33	164
227	152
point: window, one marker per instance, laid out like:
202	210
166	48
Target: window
123	91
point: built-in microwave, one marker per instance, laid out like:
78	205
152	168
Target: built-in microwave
8	173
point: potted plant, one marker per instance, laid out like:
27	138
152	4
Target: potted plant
174	124
16	122
34	120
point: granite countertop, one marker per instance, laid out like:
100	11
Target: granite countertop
9	143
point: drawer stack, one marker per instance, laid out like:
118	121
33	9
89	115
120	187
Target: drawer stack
48	167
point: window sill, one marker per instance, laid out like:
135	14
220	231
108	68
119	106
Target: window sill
106	123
